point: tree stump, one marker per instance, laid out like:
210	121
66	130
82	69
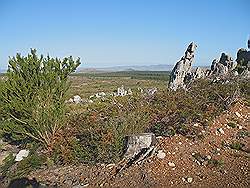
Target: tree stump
136	143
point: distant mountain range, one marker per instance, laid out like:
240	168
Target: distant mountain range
160	67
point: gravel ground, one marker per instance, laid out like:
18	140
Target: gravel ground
205	162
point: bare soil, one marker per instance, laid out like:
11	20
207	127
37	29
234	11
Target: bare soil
205	162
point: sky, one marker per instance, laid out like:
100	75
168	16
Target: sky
123	32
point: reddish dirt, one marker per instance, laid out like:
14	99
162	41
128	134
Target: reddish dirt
229	168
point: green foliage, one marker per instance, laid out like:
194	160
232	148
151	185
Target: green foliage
231	124
216	162
27	165
33	97
176	112
237	145
139	75
7	164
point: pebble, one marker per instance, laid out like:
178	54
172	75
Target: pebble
240	127
221	131
237	114
22	154
161	154
209	157
159	137
171	164
189	180
109	166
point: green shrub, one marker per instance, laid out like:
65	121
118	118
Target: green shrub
231	124
216	162
33	97
237	145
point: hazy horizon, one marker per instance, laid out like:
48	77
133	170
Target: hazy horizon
123	33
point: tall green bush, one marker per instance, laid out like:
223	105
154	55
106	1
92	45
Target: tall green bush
33	97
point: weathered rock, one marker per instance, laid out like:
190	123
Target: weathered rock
122	92
151	91
136	143
199	73
77	99
189	180
171	164
161	154
22	154
223	66
182	70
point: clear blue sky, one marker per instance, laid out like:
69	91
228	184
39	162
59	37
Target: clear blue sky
123	32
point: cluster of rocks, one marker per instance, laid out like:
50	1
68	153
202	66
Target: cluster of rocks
77	100
121	91
182	72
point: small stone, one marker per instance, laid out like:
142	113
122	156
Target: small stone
189	180
209	157
21	154
161	154
221	131
171	164
196	125
109	166
237	114
183	179
240	127
77	99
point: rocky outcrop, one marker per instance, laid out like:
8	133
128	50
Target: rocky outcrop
182	70
222	66
243	60
200	73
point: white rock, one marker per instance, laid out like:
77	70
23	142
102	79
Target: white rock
240	127
196	125
189	180
237	114
70	100
21	154
77	99
161	154
221	131
171	164
209	157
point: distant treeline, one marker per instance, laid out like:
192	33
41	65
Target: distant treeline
141	75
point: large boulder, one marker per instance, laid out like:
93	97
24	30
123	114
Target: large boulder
222	66
182	70
243	60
